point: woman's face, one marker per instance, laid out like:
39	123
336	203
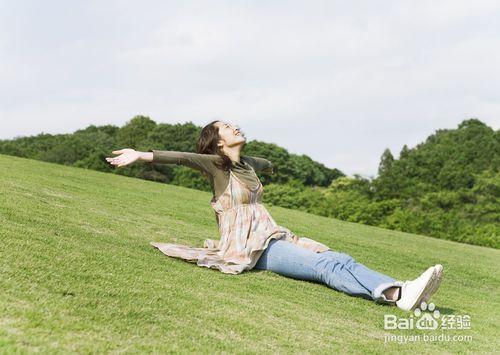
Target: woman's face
230	135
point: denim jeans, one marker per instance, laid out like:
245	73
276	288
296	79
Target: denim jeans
337	270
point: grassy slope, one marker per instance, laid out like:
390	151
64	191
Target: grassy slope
77	274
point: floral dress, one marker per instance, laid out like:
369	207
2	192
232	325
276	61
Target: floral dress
246	228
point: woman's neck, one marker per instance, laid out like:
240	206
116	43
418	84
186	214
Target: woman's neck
233	154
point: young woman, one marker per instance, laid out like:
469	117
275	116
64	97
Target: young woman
249	236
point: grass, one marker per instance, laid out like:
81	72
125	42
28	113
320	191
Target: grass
78	275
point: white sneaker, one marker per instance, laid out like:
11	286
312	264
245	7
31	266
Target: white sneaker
412	292
438	276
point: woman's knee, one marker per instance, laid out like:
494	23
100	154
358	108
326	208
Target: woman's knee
342	257
347	259
330	261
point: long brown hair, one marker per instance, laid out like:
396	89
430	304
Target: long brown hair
207	144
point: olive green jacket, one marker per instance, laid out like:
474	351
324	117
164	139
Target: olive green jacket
218	178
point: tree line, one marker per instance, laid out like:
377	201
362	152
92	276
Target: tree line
446	187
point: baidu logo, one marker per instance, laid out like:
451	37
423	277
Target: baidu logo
419	319
426	320
427	317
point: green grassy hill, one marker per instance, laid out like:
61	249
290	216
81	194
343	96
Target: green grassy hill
77	273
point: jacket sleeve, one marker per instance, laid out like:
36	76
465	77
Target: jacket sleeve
201	162
261	164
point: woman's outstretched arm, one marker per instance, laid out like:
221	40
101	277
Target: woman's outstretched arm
261	164
201	162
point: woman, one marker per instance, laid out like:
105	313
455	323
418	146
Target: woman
249	236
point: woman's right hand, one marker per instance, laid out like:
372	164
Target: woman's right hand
127	156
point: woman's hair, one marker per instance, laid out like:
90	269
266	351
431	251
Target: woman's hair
207	144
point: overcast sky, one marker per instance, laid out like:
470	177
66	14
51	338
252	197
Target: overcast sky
339	81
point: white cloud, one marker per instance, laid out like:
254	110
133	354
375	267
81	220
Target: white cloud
334	80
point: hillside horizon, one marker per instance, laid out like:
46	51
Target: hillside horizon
78	274
446	187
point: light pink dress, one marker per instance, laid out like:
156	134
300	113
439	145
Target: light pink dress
246	228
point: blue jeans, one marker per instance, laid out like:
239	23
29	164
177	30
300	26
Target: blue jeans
337	270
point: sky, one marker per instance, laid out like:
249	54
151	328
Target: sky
338	81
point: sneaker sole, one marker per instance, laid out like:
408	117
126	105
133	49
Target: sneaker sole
425	291
438	275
